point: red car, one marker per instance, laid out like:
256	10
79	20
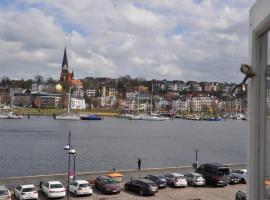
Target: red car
107	185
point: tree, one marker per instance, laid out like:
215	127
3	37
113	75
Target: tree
39	79
50	81
5	81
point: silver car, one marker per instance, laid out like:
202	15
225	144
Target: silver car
195	179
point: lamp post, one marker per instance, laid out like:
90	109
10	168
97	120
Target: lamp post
74	167
70	152
196	157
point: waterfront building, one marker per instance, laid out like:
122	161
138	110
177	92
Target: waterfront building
77	103
78	92
107	101
91	93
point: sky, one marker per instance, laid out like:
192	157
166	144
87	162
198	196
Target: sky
202	40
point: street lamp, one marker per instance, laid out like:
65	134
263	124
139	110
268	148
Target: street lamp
196	157
74	167
70	152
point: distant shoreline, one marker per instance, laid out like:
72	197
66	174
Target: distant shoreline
36	111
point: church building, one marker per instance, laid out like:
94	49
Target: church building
67	75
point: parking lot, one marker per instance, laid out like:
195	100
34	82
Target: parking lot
188	193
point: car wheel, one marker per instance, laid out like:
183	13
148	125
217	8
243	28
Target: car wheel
75	193
243	180
141	192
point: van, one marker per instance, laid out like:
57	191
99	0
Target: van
215	174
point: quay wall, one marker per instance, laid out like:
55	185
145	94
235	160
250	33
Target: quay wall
12	182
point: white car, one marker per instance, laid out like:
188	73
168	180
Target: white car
80	187
241	174
22	192
195	179
176	180
4	193
53	189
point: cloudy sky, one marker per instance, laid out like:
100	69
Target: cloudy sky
172	39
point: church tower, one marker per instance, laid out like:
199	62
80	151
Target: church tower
66	72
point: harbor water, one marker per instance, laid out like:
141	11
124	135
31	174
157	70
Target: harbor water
36	146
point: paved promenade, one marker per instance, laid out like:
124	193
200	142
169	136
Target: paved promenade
207	193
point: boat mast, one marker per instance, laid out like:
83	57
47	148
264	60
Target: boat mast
68	111
12	99
152	99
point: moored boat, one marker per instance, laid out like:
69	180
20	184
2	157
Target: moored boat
90	117
67	117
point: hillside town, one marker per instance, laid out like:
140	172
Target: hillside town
123	94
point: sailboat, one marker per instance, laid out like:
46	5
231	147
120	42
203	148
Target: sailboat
152	116
11	114
68	115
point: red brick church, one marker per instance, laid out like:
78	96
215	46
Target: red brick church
67	75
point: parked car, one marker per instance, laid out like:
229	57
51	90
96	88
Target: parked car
107	185
241	174
80	187
233	179
158	180
195	179
176	179
53	189
4	193
23	192
240	195
142	186
215	174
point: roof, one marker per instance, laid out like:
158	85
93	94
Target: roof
216	164
28	186
104	177
145	180
3	187
195	174
65	61
176	174
54	182
81	181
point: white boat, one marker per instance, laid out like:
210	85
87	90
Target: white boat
153	118
68	115
135	117
11	114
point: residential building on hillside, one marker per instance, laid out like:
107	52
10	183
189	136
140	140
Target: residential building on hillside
77	103
91	93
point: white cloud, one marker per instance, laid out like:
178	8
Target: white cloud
156	39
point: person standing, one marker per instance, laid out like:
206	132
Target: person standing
139	164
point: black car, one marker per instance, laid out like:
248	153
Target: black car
215	174
158	180
142	186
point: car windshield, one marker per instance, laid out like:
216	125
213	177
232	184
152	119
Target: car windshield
223	171
109	181
3	192
56	186
29	189
84	185
180	177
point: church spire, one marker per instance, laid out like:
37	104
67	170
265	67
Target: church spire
65	61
